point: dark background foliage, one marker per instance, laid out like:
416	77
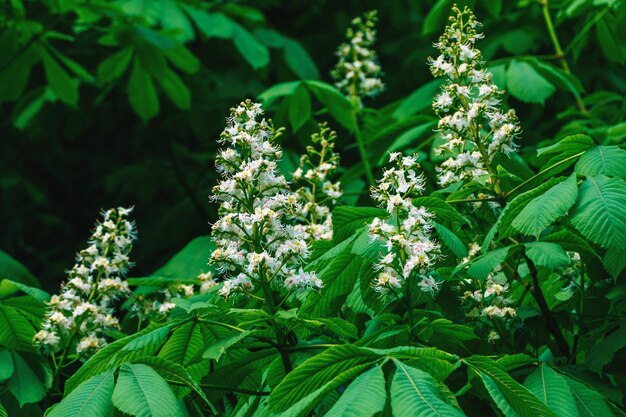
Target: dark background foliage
63	158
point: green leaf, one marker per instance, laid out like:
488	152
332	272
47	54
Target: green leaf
347	220
485	264
173	372
25	386
515	206
300	61
418	100
183	59
141	93
299	108
520	399
336	365
175	89
141	392
548	255
603	160
91	398
552	389
14	270
65	88
497	396
590	403
364	397
451	240
6	364
16	331
602	353
443	211
8	287
568	147
526	84
217	349
541	211
339	106
185	345
599	211
614	262
435	20
414	393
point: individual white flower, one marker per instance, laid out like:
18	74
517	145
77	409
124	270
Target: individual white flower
314	194
80	316
357	72
472	122
409	250
256	243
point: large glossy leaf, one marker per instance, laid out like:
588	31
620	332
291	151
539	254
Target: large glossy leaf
552	389
603	160
347	220
599	211
590	402
541	211
91	398
141	392
16	331
335	364
364	397
24	384
566	149
548	255
526	84
414	393
520	399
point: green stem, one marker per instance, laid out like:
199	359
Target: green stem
545	6
543	171
363	151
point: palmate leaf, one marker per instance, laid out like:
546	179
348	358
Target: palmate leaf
599	212
185	345
16	331
451	240
414	393
365	396
485	264
91	398
590	403
566	150
141	392
602	353
24	384
347	220
333	364
541	211
520	399
497	396
551	388
547	254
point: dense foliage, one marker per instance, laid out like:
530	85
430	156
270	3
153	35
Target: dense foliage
398	229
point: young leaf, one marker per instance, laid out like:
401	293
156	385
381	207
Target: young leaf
599	211
551	388
414	393
364	397
141	392
541	211
91	398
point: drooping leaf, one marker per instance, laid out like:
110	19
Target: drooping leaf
552	389
24	384
364	397
414	393
590	402
63	86
91	398
141	92
141	392
526	84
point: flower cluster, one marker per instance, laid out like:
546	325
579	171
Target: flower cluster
474	128
156	306
315	190
358	73
256	243
79	318
405	236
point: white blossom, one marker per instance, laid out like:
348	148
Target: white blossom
409	251
256	243
358	73
80	316
472	122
